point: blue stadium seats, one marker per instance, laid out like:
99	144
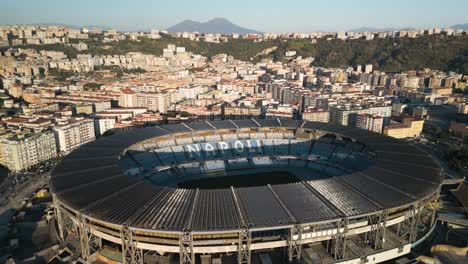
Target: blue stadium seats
281	146
300	148
179	154
146	159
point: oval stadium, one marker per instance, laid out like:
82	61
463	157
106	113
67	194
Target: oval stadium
246	191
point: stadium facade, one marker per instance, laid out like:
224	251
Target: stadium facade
368	198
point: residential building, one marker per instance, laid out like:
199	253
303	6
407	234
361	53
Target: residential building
128	98
103	124
421	112
164	102
241	112
411	127
316	115
74	133
282	111
346	116
370	122
152	101
368	68
23	151
398	109
191	92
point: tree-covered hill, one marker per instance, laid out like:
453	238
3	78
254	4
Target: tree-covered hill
438	52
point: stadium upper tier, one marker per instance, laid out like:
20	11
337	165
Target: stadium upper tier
129	178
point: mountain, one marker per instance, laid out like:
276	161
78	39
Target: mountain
460	26
64	25
372	29
215	25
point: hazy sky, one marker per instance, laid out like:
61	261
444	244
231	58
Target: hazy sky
263	15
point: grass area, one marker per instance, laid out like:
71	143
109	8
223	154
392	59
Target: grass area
244	180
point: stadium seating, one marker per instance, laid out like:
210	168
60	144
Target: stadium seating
328	154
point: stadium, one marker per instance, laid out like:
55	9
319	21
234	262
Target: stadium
189	193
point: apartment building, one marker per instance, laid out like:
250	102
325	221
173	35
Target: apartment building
347	116
316	115
153	101
23	151
370	122
191	92
74	133
128	98
103	124
164	102
241	112
411	127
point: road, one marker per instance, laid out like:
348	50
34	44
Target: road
15	194
3	174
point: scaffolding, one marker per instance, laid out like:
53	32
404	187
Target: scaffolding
186	255
415	214
338	241
295	243
408	229
64	222
89	243
243	255
131	254
376	236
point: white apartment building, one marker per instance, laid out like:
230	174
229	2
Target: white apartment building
347	116
191	92
369	122
164	102
101	106
73	134
316	115
103	124
368	68
23	151
382	111
128	98
152	101
398	109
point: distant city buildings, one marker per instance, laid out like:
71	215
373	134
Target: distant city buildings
80	98
42	35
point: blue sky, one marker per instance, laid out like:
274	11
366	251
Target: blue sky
263	15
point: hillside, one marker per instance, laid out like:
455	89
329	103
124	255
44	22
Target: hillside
392	55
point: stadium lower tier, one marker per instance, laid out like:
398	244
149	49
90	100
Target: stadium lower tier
373	238
356	196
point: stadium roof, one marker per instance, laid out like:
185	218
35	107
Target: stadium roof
90	181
